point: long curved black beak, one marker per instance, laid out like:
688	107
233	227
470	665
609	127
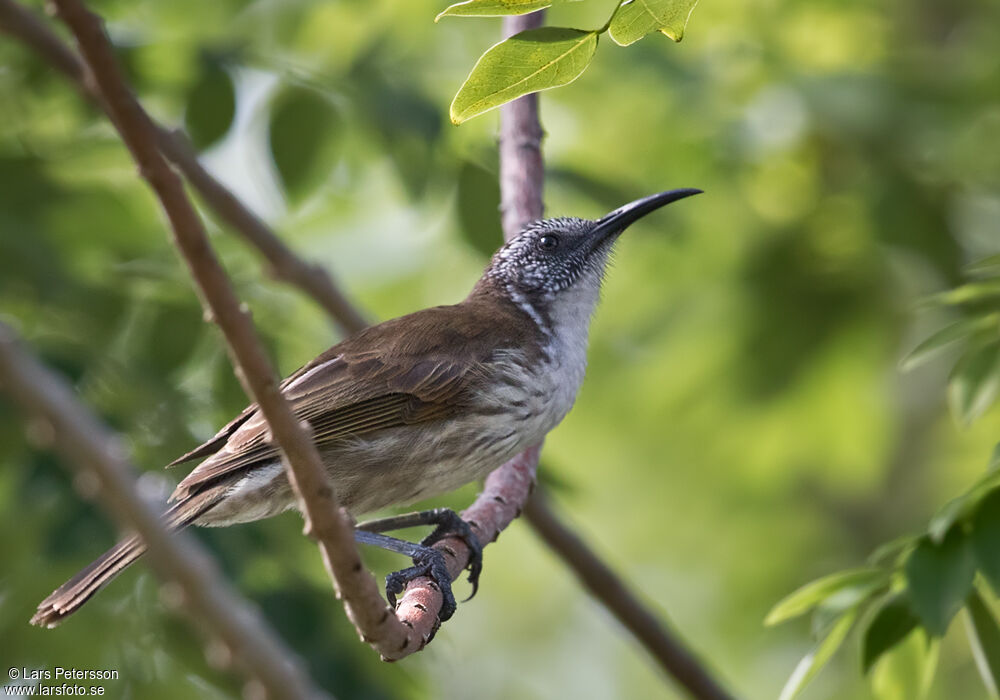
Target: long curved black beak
622	217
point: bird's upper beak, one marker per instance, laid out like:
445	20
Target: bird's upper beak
622	217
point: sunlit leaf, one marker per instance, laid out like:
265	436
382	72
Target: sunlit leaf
890	625
812	594
537	59
210	106
302	127
493	8
986	538
906	671
984	638
975	382
637	18
968	293
944	337
815	660
939	577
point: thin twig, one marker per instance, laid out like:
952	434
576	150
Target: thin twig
608	588
282	263
177	558
326	522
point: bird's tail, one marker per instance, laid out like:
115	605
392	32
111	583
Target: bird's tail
68	598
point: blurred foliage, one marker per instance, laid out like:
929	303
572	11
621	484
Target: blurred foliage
744	426
928	579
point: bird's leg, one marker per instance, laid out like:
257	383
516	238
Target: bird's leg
427	561
448	523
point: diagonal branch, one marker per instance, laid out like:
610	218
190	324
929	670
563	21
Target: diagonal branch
283	264
608	588
325	520
508	488
177	558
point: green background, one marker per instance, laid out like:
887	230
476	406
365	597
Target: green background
743	427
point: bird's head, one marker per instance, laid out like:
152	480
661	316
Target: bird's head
553	255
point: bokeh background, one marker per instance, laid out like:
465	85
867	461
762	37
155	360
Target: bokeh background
743	428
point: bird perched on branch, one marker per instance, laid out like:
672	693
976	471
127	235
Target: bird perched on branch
413	407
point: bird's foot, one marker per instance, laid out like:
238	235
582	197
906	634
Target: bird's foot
450	524
427	562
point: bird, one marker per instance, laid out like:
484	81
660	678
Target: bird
412	407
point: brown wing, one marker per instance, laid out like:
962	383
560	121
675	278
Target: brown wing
400	372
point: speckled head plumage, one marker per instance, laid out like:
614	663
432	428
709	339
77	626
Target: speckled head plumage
549	256
552	255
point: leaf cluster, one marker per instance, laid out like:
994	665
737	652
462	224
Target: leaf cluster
549	57
904	601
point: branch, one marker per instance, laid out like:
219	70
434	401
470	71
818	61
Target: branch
521	180
608	588
508	487
415	622
325	521
283	264
176	557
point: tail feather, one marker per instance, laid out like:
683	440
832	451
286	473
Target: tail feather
70	596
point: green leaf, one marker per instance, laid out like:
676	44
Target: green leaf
890	625
637	18
301	134
906	672
493	8
210	106
960	507
984	638
537	59
986	538
815	660
944	337
812	594
892	549
837	604
987	266
970	293
975	382
939	577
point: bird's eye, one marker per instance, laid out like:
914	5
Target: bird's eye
548	242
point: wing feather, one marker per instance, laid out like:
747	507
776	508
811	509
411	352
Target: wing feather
389	375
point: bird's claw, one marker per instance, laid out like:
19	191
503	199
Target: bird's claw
430	563
451	525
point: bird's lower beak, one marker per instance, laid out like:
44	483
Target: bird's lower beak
622	217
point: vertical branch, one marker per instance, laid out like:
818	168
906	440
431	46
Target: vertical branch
521	168
521	180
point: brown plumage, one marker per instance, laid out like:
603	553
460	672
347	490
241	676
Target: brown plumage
393	375
416	406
